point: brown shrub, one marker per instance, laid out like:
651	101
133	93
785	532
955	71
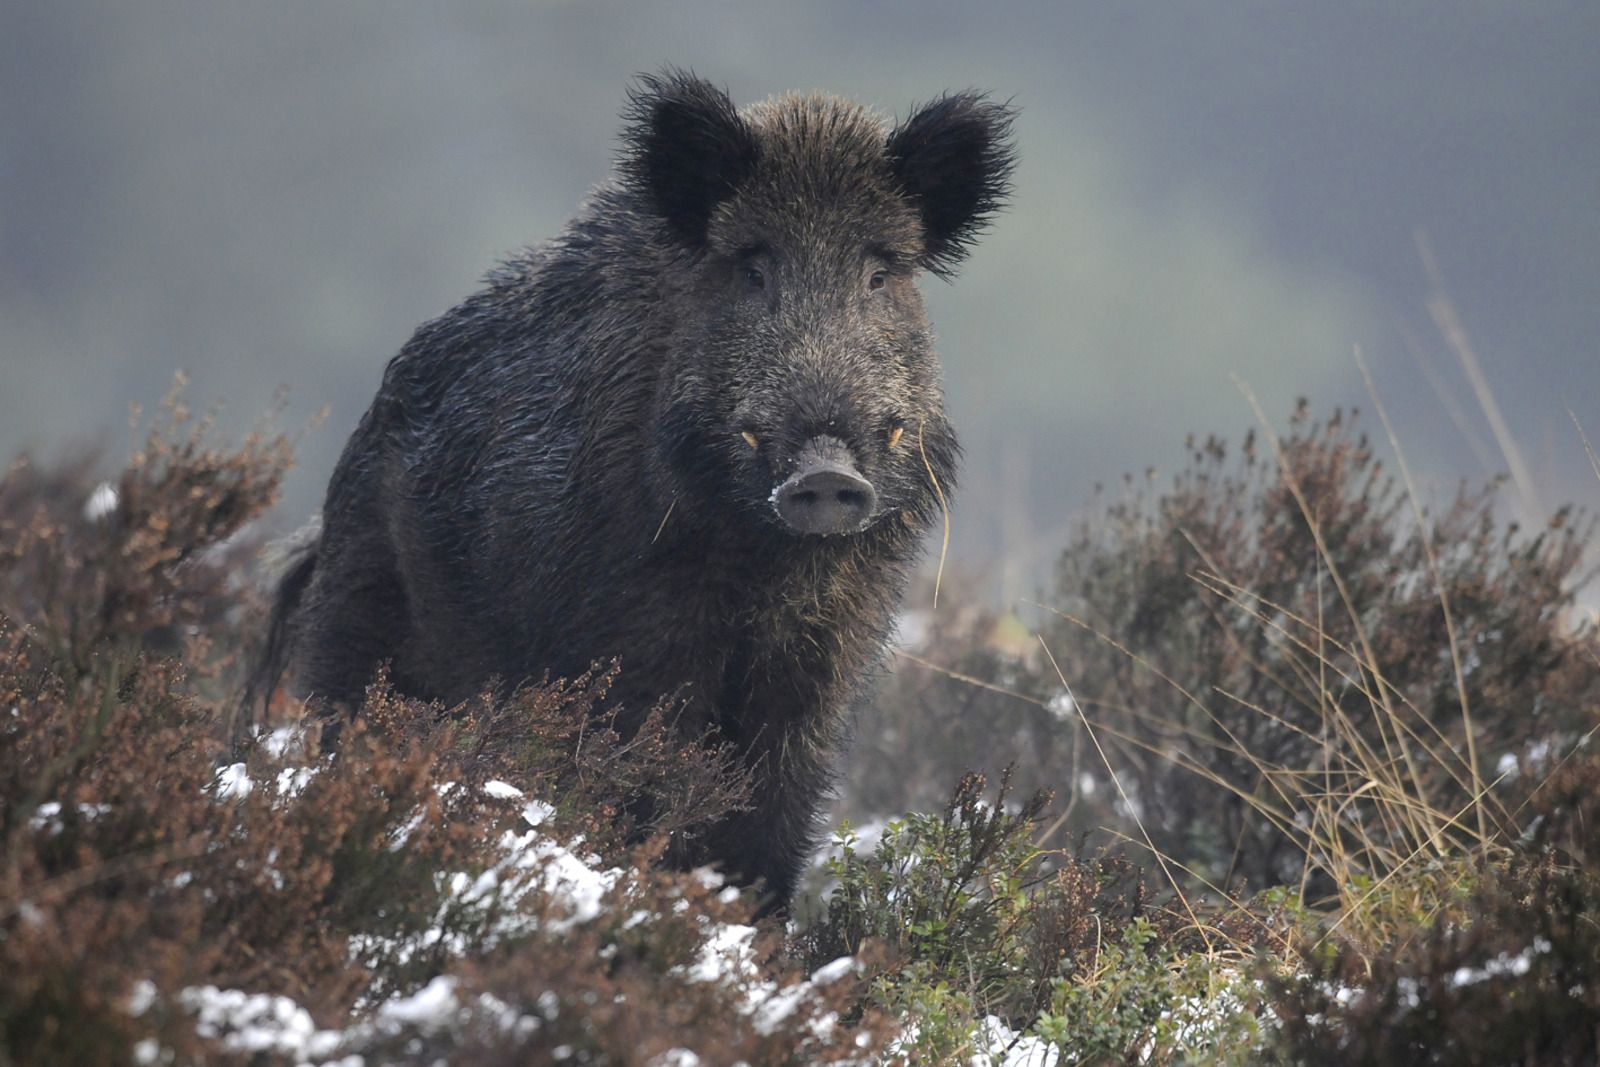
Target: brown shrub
151	848
1266	637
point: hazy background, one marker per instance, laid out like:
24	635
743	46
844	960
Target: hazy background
278	194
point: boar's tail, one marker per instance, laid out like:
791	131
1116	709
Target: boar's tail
295	560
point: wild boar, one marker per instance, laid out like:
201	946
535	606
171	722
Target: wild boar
700	432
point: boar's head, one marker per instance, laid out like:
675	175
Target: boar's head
800	386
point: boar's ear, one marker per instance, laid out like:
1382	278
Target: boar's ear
953	159
686	147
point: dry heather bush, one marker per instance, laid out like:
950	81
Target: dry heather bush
613	992
1264	647
158	567
132	871
617	790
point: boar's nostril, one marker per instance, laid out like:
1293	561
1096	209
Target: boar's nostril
856	499
825	497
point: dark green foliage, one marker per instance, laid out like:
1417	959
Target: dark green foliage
946	889
969	919
1147	1001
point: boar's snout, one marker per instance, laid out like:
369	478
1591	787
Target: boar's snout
825	494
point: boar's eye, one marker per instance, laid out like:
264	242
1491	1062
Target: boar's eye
754	278
879	279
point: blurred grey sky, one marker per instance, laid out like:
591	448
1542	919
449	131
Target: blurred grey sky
277	194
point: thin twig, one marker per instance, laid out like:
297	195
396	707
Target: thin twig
1426	538
1446	318
944	506
664	519
1176	888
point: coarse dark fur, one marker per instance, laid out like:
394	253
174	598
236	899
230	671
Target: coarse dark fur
559	471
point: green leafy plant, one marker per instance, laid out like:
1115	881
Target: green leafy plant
979	930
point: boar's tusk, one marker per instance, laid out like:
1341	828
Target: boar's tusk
750	439
894	435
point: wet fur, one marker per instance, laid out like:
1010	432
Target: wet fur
553	473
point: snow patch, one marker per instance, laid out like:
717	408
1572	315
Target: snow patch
101	502
726	955
233	782
292	781
1502	966
1062	706
141	999
430	1009
47	816
675	1057
1005	1047
912	628
258	1023
276	742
